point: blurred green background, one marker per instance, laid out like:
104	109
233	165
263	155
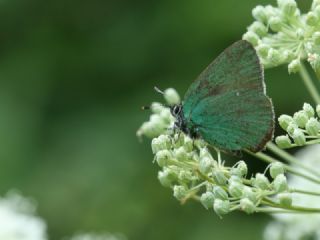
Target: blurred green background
73	75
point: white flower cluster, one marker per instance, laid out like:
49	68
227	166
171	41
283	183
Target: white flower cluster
282	34
303	126
17	220
188	167
96	236
299	226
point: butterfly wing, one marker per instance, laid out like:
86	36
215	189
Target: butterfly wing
227	102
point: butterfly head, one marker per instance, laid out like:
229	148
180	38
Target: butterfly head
176	110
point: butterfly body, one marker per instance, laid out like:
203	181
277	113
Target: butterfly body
227	105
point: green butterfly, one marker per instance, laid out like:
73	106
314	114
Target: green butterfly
227	105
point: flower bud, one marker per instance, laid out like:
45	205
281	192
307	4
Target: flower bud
301	118
204	152
207	199
285	199
288	55
308	109
294	66
185	176
240	169
274	56
180	154
284	121
280	183
219	177
235	189
312	19
298	137
248	193
219	193
259	28
313	127
205	165
275	24
221	207
251	37
166	116
291	128
283	141
188	144
166	177
263	50
261	181
289	7
160	143
247	206
171	96
156	107
259	14
234	178
162	157
276	168
179	192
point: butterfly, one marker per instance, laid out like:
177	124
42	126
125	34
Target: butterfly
227	105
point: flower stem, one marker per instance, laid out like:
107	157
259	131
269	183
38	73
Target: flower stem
288	168
272	210
309	84
311	142
293	208
289	158
293	190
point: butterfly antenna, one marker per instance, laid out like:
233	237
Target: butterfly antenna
158	90
145	107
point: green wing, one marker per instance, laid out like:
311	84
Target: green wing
227	102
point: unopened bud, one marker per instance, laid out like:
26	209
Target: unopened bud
280	183
235	189
313	127
219	177
276	169
219	193
308	109
179	192
162	157
171	96
283	141
301	118
284	121
261	181
221	207
299	137
207	199
251	37
247	206
294	66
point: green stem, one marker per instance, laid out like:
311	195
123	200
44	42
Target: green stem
309	84
288	168
293	208
277	211
293	190
289	158
311	142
